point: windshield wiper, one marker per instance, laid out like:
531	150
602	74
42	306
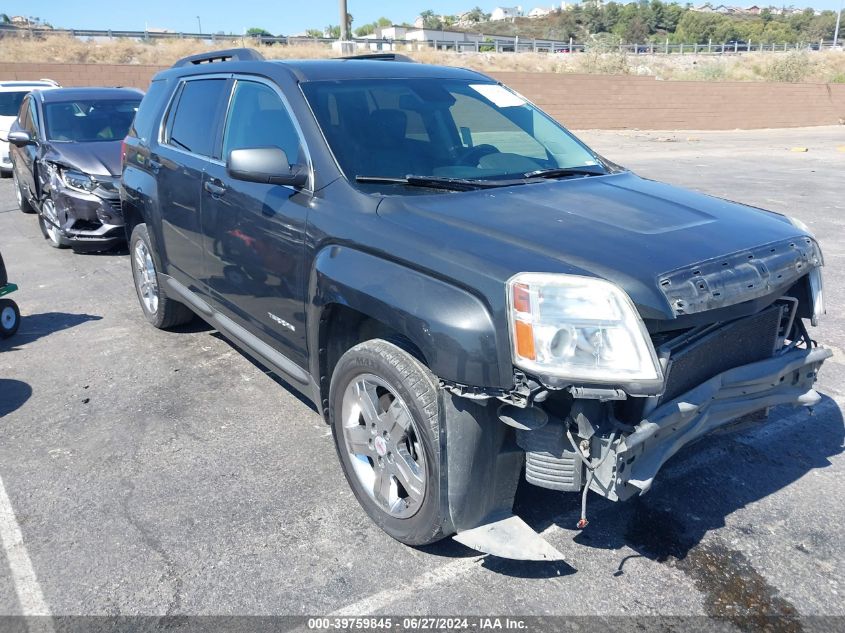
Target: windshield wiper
450	184
563	172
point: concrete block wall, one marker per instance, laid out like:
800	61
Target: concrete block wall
581	101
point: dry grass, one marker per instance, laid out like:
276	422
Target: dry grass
791	66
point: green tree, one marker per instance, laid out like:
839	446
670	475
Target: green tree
672	14
431	20
476	15
632	30
314	33
593	18
695	27
612	15
256	31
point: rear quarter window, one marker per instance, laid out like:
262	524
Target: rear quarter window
145	123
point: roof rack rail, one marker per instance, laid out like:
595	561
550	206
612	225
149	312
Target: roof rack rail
384	57
228	55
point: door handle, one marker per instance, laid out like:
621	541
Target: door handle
214	189
153	164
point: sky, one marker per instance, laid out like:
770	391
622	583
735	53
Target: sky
280	17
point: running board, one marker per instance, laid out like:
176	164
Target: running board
510	537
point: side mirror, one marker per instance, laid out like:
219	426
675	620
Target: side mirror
267	165
20	138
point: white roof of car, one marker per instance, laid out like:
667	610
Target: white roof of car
26	86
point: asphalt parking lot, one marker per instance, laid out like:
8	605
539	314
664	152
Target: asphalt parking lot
164	473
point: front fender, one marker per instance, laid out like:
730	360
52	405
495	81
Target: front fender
451	327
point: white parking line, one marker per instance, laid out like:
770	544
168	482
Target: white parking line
26	584
382	599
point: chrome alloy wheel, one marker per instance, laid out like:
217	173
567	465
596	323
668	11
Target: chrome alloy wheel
384	446
146	281
51	220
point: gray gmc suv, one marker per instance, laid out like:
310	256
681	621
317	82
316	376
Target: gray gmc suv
468	293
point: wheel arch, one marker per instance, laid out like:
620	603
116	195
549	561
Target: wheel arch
355	294
138	196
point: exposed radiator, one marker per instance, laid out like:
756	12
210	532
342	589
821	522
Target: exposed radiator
697	357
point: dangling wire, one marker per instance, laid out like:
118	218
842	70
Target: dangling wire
591	468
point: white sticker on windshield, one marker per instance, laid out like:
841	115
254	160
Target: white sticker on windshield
498	95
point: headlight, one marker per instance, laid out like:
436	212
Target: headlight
581	329
815	276
77	180
817	294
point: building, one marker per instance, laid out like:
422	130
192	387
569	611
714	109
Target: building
505	13
539	12
452	39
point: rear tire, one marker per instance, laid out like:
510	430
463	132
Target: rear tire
383	410
10	318
161	311
20	195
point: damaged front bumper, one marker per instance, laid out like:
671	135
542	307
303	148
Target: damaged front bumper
636	458
89	220
625	465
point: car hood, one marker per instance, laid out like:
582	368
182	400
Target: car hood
648	237
100	158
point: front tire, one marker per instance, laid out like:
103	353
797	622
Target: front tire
161	311
10	318
48	219
383	409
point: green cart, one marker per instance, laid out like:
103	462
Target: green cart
10	316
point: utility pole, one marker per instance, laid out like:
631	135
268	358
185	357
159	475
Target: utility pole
344	22
199	25
836	30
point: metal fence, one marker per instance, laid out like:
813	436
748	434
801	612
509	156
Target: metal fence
480	44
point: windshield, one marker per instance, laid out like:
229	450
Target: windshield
392	128
90	120
10	102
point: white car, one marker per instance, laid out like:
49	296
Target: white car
11	96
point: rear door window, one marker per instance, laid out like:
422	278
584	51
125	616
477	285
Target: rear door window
10	102
144	123
193	122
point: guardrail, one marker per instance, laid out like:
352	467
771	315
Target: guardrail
479	43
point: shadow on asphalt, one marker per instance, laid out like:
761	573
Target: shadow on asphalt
120	249
36	326
691	496
13	394
266	370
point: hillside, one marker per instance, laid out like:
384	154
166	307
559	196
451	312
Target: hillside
655	20
794	66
